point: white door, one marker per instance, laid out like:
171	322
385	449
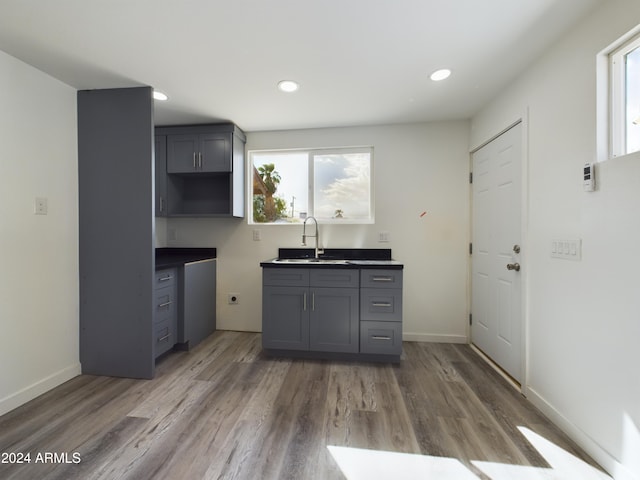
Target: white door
496	327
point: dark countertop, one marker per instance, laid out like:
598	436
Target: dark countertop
177	257
353	258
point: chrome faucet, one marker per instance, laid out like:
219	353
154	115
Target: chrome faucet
304	235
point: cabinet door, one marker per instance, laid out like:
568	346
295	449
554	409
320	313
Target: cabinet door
334	320
182	153
215	151
285	318
161	175
199	302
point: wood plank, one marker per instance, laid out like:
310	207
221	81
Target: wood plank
225	410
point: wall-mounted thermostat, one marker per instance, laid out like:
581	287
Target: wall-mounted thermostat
589	177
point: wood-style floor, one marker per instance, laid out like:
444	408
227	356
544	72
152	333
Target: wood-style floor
224	410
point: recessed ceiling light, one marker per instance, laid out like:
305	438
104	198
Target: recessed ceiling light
159	95
440	74
288	86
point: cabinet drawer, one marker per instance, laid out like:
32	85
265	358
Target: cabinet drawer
286	277
165	277
381	337
344	278
164	337
164	303
384	304
373	278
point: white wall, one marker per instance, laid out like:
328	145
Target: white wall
416	168
39	285
583	317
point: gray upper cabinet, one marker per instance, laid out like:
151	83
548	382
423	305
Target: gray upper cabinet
193	153
204	170
161	175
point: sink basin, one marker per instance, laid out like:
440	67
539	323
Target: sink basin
324	261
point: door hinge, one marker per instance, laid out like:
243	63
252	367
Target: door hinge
470	319
470	177
470	248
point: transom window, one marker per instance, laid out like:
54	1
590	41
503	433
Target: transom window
625	98
332	185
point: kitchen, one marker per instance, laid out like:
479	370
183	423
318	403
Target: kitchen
580	368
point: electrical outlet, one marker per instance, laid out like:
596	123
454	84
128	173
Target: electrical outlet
383	237
257	235
41	207
233	298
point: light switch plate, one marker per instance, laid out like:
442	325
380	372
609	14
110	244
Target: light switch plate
566	248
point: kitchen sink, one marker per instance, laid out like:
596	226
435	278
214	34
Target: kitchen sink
324	261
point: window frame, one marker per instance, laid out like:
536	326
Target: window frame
618	94
311	153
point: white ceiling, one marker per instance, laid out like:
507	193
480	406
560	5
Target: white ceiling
359	62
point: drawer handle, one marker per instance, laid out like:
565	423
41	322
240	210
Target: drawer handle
162	339
165	304
304	301
380	337
380	304
164	279
382	279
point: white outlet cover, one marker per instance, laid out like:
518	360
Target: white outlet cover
41	207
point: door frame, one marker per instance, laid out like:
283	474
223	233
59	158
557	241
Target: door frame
522	119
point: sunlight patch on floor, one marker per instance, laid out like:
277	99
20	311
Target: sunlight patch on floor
361	464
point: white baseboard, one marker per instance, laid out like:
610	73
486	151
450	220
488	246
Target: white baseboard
425	337
606	461
36	389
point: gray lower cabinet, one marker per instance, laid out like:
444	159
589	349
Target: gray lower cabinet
198	302
333	322
381	311
285	319
165	316
310	309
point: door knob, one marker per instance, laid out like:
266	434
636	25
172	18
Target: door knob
513	266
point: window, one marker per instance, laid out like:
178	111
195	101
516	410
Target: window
625	98
332	185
